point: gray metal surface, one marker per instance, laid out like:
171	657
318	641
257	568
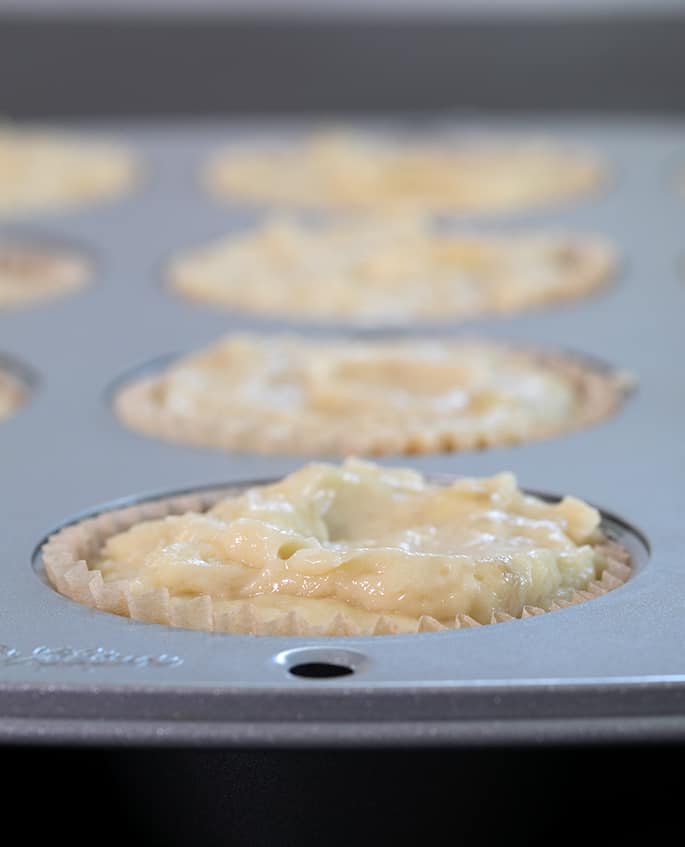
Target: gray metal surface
611	668
285	63
389	8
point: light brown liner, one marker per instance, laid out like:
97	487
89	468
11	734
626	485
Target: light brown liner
127	174
32	296
591	177
600	393
14	388
66	554
596	270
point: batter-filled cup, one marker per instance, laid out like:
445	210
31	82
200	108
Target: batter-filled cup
32	272
387	271
364	171
44	170
361	396
355	549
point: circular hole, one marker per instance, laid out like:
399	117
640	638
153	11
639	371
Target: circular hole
320	670
320	662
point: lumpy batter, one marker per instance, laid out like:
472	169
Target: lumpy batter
386	271
346	169
29	274
293	395
40	171
362	541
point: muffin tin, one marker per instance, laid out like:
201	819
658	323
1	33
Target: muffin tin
608	669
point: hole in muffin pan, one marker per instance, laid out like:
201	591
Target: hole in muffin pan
320	662
320	670
616	530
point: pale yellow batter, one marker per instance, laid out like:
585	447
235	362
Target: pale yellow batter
30	273
40	171
354	170
286	394
12	395
387	271
357	544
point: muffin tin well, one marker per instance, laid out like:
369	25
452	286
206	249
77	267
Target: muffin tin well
63	559
35	270
608	668
599	391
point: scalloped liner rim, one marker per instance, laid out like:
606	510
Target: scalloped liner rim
598	267
600	394
65	557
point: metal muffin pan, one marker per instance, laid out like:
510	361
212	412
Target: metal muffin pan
612	668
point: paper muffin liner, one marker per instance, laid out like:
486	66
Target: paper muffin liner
67	170
230	174
599	390
595	264
66	553
34	271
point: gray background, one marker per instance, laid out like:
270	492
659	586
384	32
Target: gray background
584	57
387	8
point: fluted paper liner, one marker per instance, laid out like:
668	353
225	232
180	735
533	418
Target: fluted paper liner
66	553
599	392
247	173
594	266
33	272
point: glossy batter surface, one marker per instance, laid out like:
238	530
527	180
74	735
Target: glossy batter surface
362	541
